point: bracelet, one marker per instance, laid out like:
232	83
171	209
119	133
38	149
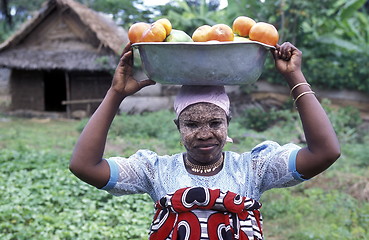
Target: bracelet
302	94
297	85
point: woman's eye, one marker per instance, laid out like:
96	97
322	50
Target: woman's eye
191	125
215	124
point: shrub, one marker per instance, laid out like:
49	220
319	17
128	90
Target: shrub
41	199
153	130
328	69
149	124
345	121
314	213
260	119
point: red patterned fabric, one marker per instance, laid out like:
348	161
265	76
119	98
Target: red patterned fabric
200	213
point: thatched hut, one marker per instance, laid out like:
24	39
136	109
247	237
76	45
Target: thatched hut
62	59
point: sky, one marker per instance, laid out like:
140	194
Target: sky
223	3
155	2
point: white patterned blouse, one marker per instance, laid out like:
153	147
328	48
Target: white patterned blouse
268	165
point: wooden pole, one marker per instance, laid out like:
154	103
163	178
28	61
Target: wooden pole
67	89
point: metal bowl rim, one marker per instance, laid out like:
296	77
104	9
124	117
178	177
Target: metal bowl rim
211	43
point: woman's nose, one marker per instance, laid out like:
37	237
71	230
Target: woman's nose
204	133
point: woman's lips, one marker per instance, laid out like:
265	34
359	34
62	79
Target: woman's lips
206	147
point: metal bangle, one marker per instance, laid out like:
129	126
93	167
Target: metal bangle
302	94
297	85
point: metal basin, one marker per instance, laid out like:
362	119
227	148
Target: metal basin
203	63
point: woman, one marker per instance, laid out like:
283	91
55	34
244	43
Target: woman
206	193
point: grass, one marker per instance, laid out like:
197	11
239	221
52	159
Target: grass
41	199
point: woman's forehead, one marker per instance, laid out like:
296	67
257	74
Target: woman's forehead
202	111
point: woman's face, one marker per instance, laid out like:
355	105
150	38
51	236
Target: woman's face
204	129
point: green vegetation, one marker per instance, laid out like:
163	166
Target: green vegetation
41	199
333	34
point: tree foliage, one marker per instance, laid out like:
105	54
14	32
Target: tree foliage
124	12
188	15
333	35
15	12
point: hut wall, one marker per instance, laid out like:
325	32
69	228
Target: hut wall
88	86
27	90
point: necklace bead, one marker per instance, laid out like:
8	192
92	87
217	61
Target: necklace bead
204	168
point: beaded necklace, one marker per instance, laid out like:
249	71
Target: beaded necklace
204	168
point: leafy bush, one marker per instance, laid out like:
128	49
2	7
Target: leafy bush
147	124
150	124
346	70
327	69
154	130
358	153
260	119
345	121
41	199
313	213
154	125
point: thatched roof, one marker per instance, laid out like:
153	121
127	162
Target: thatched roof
65	60
103	38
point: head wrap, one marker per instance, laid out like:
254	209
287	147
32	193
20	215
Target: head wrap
189	94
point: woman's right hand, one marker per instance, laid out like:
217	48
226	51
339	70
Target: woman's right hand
123	81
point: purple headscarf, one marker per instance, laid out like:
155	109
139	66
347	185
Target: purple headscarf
189	95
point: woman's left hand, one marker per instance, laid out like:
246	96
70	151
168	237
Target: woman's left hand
287	58
323	148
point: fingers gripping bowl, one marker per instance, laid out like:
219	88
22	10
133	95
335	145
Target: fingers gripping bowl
203	63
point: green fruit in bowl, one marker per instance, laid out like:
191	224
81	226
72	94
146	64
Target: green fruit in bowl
241	39
178	36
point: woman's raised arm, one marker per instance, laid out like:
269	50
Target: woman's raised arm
323	148
87	161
